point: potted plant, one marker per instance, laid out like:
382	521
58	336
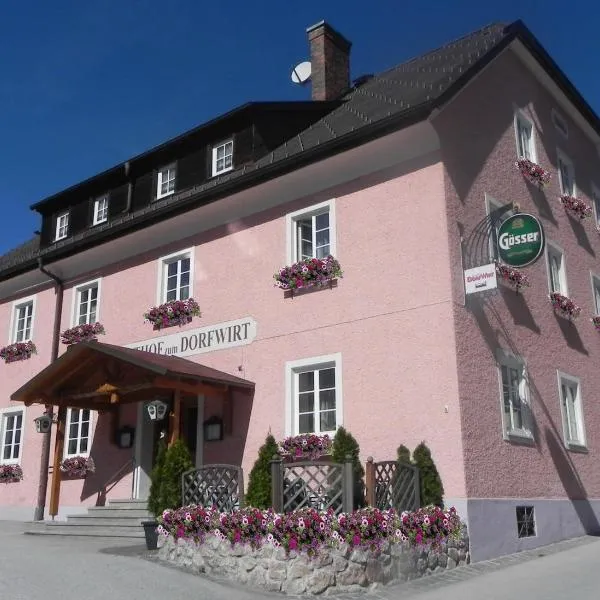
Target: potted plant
17	351
10	473
307	445
78	466
596	321
165	488
575	206
533	172
564	305
512	276
87	332
308	273
175	312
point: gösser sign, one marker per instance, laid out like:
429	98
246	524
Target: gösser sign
204	339
520	240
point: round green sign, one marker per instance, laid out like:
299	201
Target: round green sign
520	240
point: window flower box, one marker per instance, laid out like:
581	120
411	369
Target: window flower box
596	321
78	466
577	207
564	305
305	446
512	276
18	351
533	172
10	473
176	312
308	273
82	333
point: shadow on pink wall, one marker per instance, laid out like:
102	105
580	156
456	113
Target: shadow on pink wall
553	436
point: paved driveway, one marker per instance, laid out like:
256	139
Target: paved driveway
60	568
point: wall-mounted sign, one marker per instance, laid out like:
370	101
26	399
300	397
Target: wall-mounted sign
480	279
204	339
520	240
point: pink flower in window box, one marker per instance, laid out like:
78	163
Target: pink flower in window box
533	172
18	351
82	333
564	305
308	273
513	276
78	466
175	312
577	207
10	473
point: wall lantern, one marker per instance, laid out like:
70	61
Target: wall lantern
213	429
157	410
43	424
125	436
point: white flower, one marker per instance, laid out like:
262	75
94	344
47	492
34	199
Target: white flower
270	538
404	514
244	520
322	526
188	516
398	533
264	522
364	522
384	524
301	524
426	520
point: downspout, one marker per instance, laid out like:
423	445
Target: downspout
38	515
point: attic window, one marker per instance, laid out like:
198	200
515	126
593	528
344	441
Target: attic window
560	124
222	158
62	226
100	210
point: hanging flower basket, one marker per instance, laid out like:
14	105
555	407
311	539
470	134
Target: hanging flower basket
176	312
82	333
10	473
512	276
18	351
596	321
577	207
564	305
305	446
308	273
533	172
77	466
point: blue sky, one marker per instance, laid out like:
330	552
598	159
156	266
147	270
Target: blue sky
89	84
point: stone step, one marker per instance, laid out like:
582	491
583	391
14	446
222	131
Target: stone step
108	511
61	528
104	521
128	504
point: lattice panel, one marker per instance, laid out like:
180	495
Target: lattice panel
219	486
396	486
318	486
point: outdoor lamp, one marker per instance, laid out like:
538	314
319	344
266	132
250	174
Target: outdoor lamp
43	424
213	429
157	410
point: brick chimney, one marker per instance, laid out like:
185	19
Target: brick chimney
330	62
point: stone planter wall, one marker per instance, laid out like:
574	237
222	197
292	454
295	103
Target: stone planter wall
331	571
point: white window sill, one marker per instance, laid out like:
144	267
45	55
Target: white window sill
99	222
10	462
574	447
520	436
161	196
58	239
215	174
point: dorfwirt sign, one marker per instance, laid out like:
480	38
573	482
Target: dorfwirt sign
480	279
202	340
520	240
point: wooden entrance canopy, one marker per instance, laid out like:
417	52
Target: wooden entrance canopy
101	377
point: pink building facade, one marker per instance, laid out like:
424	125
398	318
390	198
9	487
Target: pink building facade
501	390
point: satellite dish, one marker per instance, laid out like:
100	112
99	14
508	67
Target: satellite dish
301	73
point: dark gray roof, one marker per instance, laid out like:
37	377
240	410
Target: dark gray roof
393	99
20	254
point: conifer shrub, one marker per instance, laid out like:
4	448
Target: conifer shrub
403	455
344	444
156	477
432	490
259	484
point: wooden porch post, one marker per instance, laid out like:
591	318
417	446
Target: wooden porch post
175	418
59	444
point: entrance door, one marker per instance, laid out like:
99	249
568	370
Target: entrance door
147	436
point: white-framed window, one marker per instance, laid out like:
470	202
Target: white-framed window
560	124
222	157
100	210
78	432
23	314
596	203
557	272
497	213
165	185
11	435
596	292
175	281
566	174
524	133
314	395
517	418
571	406
62	226
86	303
311	232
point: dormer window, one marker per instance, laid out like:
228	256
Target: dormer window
165	185
62	226
222	158
100	210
